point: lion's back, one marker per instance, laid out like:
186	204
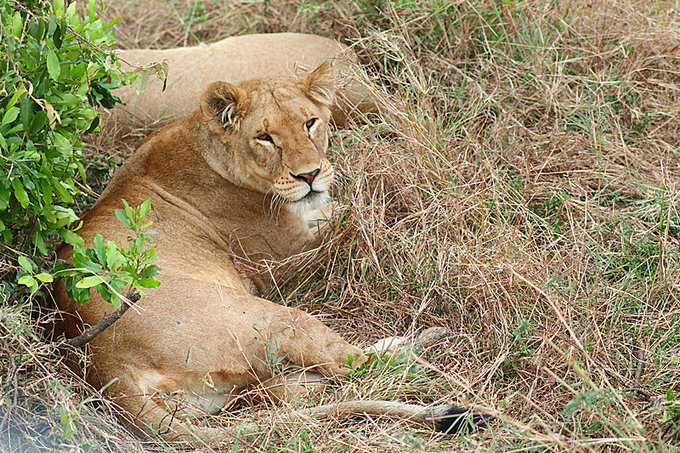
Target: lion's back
232	60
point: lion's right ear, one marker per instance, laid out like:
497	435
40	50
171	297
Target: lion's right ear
320	84
224	102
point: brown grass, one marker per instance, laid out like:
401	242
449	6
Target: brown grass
521	189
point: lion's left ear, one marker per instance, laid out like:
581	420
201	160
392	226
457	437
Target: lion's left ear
225	103
320	84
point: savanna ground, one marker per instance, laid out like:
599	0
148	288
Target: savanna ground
520	188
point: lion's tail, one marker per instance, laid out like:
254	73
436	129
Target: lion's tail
443	418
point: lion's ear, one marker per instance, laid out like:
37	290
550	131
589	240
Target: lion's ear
320	84
223	102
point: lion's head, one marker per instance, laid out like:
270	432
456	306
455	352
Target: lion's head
274	136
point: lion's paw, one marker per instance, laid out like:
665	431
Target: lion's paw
403	345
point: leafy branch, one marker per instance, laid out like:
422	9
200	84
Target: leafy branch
108	319
107	268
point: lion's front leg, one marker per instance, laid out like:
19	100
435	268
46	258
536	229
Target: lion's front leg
303	341
296	355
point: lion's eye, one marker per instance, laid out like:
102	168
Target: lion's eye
310	122
265	138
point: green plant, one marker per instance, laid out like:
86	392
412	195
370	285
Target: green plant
56	68
548	210
67	423
266	336
395	362
108	267
671	408
520	341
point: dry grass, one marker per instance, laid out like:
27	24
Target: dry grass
521	189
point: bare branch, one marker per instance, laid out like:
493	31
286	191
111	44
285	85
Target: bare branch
89	334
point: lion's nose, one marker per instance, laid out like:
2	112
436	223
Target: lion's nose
307	177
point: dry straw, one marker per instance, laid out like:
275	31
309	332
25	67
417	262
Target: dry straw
520	187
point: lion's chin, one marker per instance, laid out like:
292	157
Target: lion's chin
313	200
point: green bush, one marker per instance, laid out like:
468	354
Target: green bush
55	69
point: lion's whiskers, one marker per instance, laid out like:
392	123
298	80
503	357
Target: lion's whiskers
276	202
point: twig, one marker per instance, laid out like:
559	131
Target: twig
89	334
640	357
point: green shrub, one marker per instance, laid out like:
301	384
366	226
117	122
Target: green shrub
55	68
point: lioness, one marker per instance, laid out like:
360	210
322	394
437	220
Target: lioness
234	59
203	336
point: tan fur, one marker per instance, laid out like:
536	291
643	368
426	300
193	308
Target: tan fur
234	60
232	178
202	336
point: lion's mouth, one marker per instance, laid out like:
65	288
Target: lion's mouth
311	196
312	200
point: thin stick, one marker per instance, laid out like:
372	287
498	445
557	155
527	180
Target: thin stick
89	334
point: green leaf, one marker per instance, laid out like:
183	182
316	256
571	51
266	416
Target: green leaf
145	208
58	7
113	256
27	280
10	115
20	192
68	99
71	14
120	214
129	212
37	121
17	24
61	191
111	23
82	261
65	272
100	248
47	192
20	90
81	171
57	37
71	238
149	282
80	295
39	243
44	277
25	263
49	214
67	424
117	285
5	195
105	292
51	25
89	282
53	67
149	271
91	13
